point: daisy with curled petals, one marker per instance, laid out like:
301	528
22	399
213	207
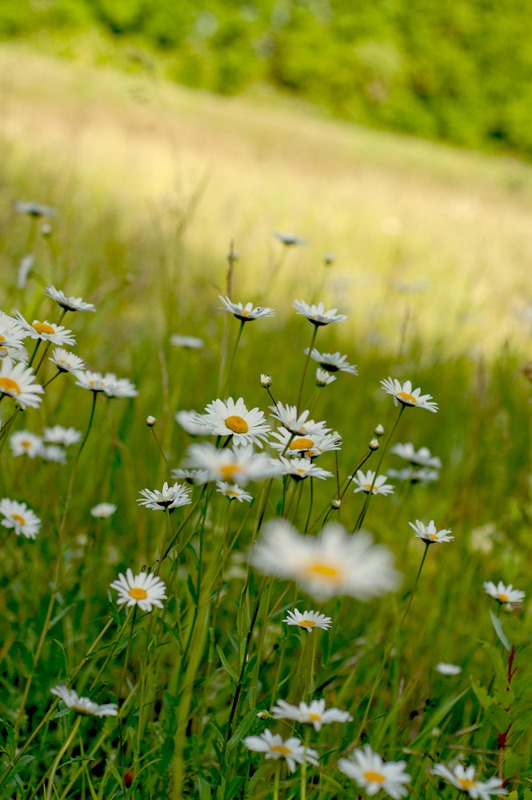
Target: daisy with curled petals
330	564
317	314
232	418
237	465
429	534
298	424
314	713
502	593
47	331
324	378
169	498
144	590
373	774
245	313
404	394
17	381
233	492
68	303
273	746
332	362
60	435
20	518
463	778
301	468
367	482
83	705
103	510
308	620
419	458
67	362
25	443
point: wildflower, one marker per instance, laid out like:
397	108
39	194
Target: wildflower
317	314
144	590
403	393
429	534
245	313
422	476
238	465
188	342
33	209
47	331
463	778
192	476
24	268
103	510
150	421
297	423
82	704
20	518
169	498
323	378
60	435
333	563
332	362
379	431
300	468
315	713
502	593
233	492
16	380
53	453
67	362
309	445
11	333
25	443
193	423
373	774
274	747
374	444
447	669
421	458
289	239
367	482
68	303
232	418
308	620
108	384
265	380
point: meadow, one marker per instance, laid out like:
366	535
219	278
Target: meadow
154	204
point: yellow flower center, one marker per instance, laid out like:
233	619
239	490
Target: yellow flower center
237	424
374	777
368	487
232	493
433	537
138	594
43	327
306	623
18	518
315	717
2	338
245	312
9	385
280	748
503	597
407	398
228	470
466	784
319	570
301	443
26	444
3	348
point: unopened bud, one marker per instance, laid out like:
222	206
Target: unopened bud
336	503
265	380
150	421
379	430
263	714
46	229
374	444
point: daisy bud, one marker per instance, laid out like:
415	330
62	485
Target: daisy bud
336	503
379	430
46	230
150	421
374	444
263	715
265	380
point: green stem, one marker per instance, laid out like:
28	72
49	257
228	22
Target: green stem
237	342
61	753
313	339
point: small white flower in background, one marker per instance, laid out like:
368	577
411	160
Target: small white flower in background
308	620
463	778
273	746
188	342
53	452
20	518
421	457
422	476
16	381
82	704
448	669
144	590
373	774
330	564
68	303
193	423
298	424
92	381
67	362
233	492
289	239
317	314
502	593
232	418
108	384
103	510
24	268
237	465
429	534
314	713
367	482
60	435
192	476
25	443
169	497
151	421
46	331
247	312
301	468
33	209
332	362
323	378
404	394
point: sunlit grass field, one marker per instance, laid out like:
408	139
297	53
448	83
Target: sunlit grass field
165	200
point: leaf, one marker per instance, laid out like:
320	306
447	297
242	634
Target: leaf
499	631
242	728
227	665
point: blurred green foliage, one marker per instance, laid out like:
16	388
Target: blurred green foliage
460	71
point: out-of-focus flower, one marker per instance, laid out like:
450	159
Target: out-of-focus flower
314	713
63	436
18	517
317	314
68	303
188	342
332	362
103	510
463	778
83	705
273	746
374	774
25	443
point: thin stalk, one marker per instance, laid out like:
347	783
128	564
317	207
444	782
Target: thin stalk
313	339
59	756
235	348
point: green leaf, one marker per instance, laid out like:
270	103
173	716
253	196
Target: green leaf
499	631
227	665
242	728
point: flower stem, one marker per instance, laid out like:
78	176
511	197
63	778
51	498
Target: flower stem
313	339
235	348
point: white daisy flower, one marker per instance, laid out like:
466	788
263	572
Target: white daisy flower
265	380
53	452
145	590
67	362
247	312
188	342
12	350
300	468
367	482
232	418
47	331
323	378
332	362
82	704
421	457
68	303
169	497
273	746
463	778
33	209
60	435
298	424
192	476
20	518
233	492
373	774
314	713
103	510
236	465
308	620
24	268
330	564
25	443
289	239
448	669
317	314
193	423
16	381
311	445
429	534
403	393
422	476
11	338
502	593
119	387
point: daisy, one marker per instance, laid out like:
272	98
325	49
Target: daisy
144	590
317	314
245	313
332	362
68	303
463	778
103	510
16	380
274	747
11	334
60	435
24	268
367	482
308	620
188	342
33	209
373	774
311	446
169	498
422	476
67	362
237	465
233	492
502	593
289	239
232	418
330	564
47	331
25	443
323	378
429	534
53	453
403	393
19	517
300	468
192	476
313	713
82	704
93	381
193	423
421	458
298	424
448	669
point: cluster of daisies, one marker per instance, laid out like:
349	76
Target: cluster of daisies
50	445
